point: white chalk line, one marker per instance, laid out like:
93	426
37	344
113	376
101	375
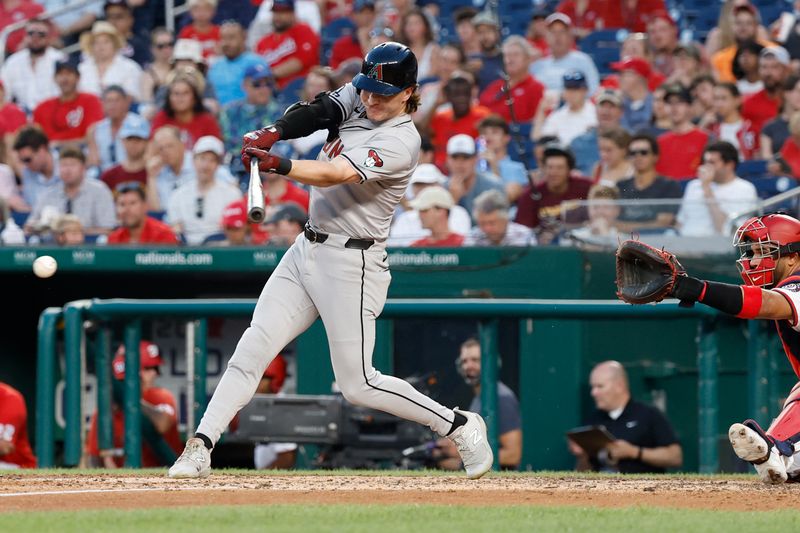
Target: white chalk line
94	491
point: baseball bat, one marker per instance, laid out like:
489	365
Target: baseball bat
255	194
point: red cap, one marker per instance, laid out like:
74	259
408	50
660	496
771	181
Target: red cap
636	64
276	371
662	14
750	8
149	356
234	215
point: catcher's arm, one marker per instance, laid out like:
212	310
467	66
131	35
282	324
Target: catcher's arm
744	301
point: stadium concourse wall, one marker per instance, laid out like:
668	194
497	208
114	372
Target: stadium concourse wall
554	355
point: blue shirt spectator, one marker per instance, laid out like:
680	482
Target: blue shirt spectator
563	57
228	72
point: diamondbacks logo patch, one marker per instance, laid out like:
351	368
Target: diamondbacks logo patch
373	159
376	72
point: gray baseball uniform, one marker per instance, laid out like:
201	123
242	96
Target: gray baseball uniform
344	285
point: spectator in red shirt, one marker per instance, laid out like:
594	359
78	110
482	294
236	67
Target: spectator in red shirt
159	409
541	208
357	43
729	125
13	11
12	118
773	69
134	135
293	48
586	15
790	152
462	117
136	227
15	450
201	28
66	118
184	108
526	91
537	32
682	147
433	205
633	15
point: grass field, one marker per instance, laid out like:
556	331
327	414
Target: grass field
242	501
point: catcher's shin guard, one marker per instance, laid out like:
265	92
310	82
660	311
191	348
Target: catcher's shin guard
785	429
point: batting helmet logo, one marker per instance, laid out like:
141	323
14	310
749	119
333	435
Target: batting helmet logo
376	72
373	159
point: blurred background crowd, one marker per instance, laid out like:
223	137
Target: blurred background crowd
565	122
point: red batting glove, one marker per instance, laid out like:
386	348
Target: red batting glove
267	162
262	139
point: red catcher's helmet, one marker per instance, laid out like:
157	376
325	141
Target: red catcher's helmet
149	356
762	241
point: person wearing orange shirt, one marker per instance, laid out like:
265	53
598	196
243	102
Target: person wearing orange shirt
745	29
462	116
158	408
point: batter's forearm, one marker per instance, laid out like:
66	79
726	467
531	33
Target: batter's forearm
322	173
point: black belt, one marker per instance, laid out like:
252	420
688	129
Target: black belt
358	244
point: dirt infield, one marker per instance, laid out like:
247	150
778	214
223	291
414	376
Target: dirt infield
73	492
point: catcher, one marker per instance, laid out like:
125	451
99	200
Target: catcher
769	263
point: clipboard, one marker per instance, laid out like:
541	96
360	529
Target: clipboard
591	438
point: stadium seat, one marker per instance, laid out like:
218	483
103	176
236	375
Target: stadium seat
603	46
751	169
158	215
19	218
291	92
214	237
769	186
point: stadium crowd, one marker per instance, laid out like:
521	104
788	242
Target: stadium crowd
543	122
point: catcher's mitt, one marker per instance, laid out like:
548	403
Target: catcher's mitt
645	274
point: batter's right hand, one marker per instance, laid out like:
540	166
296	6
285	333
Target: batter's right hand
262	139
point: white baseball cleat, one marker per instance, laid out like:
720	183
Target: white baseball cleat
753	448
194	462
473	445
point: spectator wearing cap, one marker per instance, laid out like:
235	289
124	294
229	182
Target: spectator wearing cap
89	199
228	72
161	441
586	148
187	57
487	64
637	100
524	91
356	44
120	14
13	11
103	64
773	68
249	113
729	124
563	57
496	135
461	117
133	135
745	28
662	33
688	64
235	227
285	223
67	117
433	205
135	225
195	208
68	231
575	117
184	108
493	224
292	49
681	148
171	166
201	28
466	180
39	171
541	208
105	148
407	225
29	74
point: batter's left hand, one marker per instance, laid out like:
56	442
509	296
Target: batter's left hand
266	161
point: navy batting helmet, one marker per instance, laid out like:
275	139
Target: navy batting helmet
387	69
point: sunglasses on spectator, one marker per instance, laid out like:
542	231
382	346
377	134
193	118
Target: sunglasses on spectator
261	84
161	46
26	160
634	153
128	186
35	33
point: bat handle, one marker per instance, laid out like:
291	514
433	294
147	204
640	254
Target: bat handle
255	194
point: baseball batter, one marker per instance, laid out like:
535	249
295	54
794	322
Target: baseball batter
337	270
770	267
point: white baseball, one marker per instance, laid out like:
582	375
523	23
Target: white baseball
45	266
